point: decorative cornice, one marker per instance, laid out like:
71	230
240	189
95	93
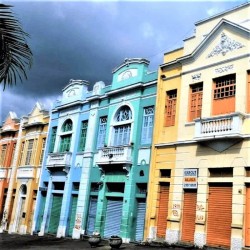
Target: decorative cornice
226	44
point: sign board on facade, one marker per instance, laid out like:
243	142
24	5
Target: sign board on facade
190	178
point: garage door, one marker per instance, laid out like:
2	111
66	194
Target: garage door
219	215
72	214
140	219
55	213
91	215
247	220
162	210
189	214
113	217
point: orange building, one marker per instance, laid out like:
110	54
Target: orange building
8	140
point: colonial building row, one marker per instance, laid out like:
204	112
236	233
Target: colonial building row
151	156
96	160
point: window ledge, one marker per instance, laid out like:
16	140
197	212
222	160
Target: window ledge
189	124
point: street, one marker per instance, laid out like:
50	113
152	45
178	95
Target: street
16	241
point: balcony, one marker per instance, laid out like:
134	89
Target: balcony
25	172
3	173
59	161
114	155
219	127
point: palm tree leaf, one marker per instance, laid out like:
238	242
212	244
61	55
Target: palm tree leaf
15	54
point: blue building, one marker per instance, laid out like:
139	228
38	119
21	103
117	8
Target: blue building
96	164
63	164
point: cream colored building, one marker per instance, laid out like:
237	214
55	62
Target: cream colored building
208	167
26	169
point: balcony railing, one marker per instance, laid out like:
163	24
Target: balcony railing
114	155
225	126
25	172
3	173
57	161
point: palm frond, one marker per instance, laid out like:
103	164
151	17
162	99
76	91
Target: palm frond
15	54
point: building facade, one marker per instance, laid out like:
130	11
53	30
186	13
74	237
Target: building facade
199	184
96	162
25	175
121	154
8	142
63	162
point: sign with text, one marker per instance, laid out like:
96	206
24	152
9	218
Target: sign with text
190	176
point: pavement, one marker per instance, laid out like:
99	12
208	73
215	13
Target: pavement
17	241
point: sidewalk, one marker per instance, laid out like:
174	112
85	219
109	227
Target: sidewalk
17	241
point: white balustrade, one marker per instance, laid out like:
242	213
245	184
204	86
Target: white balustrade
120	154
221	126
59	159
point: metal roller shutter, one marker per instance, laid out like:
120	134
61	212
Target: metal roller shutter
141	210
247	220
72	214
189	213
55	213
162	211
41	211
113	217
219	215
92	215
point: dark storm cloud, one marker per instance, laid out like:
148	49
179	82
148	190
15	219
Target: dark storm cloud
86	40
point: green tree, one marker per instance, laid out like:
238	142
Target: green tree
15	54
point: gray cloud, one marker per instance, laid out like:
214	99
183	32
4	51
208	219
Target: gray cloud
86	40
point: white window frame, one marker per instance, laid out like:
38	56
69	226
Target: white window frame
147	125
102	131
122	120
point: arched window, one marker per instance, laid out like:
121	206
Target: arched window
122	127
67	126
66	138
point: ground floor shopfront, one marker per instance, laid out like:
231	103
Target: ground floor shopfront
117	205
204	200
56	208
22	206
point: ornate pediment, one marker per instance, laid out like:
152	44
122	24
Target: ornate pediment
226	44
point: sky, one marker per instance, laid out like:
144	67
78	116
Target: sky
87	39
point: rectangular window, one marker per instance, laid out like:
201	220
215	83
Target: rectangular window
52	140
170	107
102	132
221	172
42	151
29	152
224	94
83	136
13	153
247	171
121	135
65	143
21	155
147	125
196	94
3	155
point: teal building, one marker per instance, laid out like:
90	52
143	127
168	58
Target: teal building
113	188
96	160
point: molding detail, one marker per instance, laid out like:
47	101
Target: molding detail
226	45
